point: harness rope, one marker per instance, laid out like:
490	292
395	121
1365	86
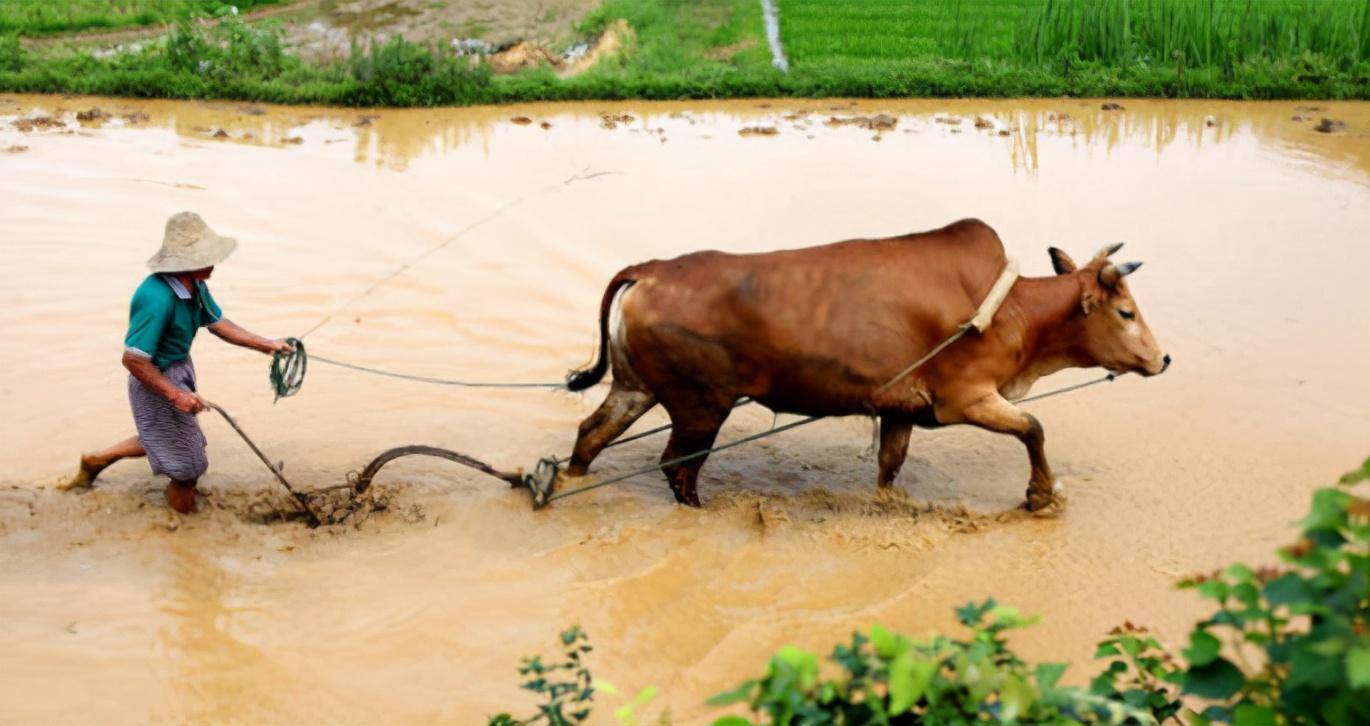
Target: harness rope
288	369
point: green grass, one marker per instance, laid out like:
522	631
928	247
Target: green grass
1220	48
715	48
51	17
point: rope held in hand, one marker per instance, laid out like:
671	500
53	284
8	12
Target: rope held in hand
288	369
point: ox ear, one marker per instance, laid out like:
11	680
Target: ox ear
1061	262
1111	274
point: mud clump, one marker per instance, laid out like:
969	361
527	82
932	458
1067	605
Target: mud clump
16	149
545	125
293	140
91	115
339	505
521	120
878	122
758	131
949	120
611	121
365	120
135	118
219	134
37	123
1110	106
252	110
1328	125
983	123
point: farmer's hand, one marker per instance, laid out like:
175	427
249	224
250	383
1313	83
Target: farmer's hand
187	402
280	346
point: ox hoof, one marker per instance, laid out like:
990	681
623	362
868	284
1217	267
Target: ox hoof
1047	503
689	499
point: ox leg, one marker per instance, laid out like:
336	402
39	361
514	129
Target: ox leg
995	413
894	446
620	409
693	429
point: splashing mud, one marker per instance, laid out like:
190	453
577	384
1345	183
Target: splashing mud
417	607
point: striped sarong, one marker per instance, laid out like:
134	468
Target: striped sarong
174	443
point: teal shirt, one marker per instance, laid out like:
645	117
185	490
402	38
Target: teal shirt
164	316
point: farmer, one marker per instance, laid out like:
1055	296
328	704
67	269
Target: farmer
171	305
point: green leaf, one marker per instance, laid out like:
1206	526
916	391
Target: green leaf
886	644
737	695
1358	666
1105	650
604	686
908	681
1203	648
1217	680
1016	697
803	663
1329	510
1287	589
1360	475
1249	714
1214	590
732	721
1048	674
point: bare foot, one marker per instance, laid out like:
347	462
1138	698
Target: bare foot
85	475
180	497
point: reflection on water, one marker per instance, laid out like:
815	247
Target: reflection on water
213	671
393	138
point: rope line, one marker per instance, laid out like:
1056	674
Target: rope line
583	175
774	430
414	261
288	369
687	457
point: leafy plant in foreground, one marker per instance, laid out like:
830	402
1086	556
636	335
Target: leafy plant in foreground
566	686
1287	645
1308	623
889	678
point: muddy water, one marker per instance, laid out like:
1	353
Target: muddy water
111	609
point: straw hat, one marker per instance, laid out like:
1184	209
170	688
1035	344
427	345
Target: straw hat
189	244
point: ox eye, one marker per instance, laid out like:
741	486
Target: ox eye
1126	314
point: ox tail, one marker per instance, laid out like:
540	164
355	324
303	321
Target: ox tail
582	379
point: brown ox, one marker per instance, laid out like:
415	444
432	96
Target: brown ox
818	331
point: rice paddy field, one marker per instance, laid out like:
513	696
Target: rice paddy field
1238	49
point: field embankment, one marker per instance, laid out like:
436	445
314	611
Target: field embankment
717	48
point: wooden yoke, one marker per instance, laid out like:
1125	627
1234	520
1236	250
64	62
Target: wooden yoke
996	296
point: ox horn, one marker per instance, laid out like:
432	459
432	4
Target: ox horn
1111	274
1110	249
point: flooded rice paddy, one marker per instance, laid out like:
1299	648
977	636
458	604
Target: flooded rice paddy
1251	224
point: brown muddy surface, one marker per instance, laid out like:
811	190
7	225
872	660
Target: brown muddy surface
1252	226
